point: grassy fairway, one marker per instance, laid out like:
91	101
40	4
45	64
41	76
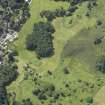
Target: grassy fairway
65	35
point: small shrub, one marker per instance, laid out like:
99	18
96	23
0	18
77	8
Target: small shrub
89	100
66	71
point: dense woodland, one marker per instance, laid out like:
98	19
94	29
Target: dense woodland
13	14
8	73
51	15
40	40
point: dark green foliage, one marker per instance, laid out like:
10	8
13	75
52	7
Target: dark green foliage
8	73
3	98
74	2
100	64
99	22
11	9
66	71
26	102
72	9
40	40
48	14
89	100
11	55
23	102
51	15
49	72
98	41
43	92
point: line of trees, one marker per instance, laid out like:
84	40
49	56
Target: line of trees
13	14
51	15
23	102
75	2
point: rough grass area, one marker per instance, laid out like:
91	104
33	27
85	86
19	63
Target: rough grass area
82	46
74	49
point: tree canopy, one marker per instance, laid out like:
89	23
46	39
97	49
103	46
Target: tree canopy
40	40
13	14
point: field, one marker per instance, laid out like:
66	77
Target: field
74	50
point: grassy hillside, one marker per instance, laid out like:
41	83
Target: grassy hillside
74	50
